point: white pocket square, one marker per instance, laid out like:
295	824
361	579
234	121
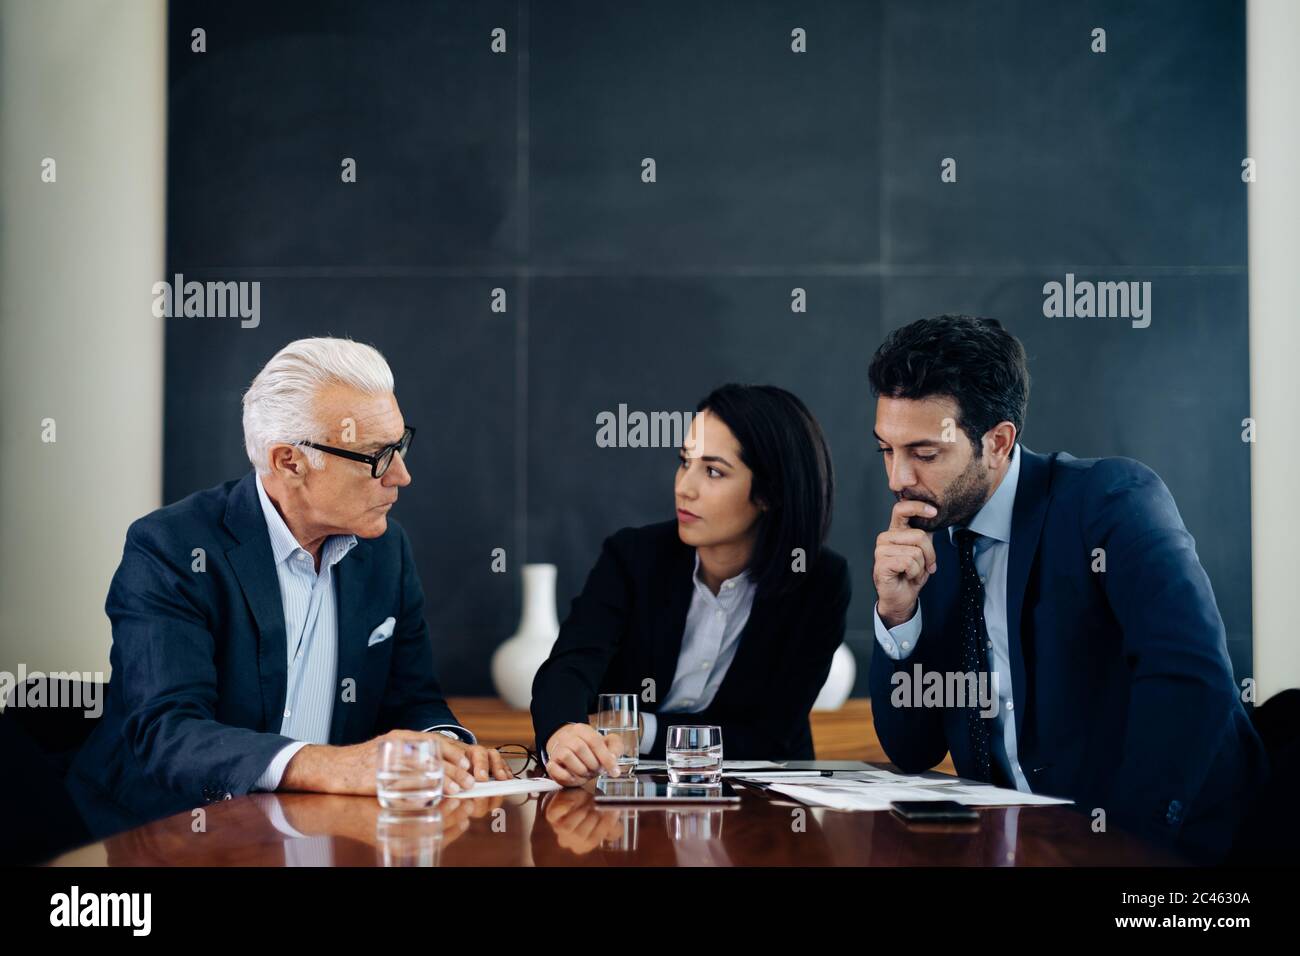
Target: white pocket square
383	632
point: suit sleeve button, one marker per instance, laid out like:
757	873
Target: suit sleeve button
1174	814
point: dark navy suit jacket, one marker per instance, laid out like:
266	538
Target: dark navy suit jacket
1124	693
199	659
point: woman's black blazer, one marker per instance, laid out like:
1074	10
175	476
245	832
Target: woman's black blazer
624	632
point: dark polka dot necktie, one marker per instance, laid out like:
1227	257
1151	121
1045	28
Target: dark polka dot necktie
974	643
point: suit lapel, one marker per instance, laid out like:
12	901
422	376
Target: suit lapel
1026	528
938	607
768	619
350	578
939	599
254	567
673	600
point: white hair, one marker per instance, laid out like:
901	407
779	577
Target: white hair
280	405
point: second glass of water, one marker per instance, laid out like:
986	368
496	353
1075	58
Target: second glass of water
617	720
694	753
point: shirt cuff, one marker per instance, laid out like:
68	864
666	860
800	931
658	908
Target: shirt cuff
648	734
270	778
898	642
453	730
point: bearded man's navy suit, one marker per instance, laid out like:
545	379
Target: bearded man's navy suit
1124	697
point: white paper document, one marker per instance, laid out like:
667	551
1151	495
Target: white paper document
501	788
877	789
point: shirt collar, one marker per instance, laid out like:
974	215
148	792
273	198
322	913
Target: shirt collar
737	584
994	519
284	544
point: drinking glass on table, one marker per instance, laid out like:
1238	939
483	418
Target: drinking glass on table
408	839
409	777
618	722
694	754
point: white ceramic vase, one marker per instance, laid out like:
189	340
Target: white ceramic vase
515	662
839	682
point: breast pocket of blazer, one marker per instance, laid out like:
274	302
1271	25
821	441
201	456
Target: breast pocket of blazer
380	641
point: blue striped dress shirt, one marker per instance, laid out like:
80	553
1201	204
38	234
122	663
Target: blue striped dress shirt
311	637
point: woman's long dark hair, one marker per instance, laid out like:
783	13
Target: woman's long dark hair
783	445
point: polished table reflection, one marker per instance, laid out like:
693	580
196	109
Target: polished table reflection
569	828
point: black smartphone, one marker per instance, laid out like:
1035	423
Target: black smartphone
933	811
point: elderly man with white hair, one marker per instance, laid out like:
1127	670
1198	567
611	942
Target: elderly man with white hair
269	633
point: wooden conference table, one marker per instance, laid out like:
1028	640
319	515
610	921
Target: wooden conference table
568	828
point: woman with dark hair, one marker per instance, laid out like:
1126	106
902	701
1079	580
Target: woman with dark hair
728	615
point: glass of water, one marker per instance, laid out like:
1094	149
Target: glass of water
408	839
694	754
409	778
616	718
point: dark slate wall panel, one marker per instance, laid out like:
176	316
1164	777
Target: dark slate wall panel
522	171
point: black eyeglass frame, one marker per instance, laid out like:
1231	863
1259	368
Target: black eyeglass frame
533	758
399	447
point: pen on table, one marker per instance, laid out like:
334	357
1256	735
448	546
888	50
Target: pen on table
788	773
748	777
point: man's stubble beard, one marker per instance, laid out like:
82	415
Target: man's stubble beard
964	497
